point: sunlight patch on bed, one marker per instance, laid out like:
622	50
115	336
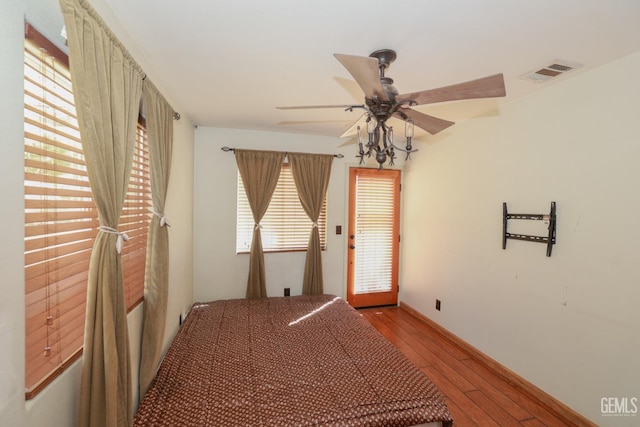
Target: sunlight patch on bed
317	310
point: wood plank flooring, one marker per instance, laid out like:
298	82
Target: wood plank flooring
475	395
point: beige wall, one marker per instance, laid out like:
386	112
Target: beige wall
569	323
57	404
11	216
220	273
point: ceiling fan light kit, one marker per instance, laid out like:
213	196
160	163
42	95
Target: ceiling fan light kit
386	150
382	102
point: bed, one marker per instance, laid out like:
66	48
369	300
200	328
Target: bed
289	361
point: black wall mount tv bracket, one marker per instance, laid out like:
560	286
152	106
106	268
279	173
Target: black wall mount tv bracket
549	240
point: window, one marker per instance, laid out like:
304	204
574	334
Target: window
135	220
61	219
285	225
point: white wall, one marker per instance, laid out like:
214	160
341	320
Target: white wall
179	212
12	313
569	323
219	273
57	403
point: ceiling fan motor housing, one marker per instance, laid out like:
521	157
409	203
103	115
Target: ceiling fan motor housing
385	57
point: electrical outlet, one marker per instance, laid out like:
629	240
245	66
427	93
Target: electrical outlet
287	292
438	304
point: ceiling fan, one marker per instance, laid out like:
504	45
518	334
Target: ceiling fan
382	101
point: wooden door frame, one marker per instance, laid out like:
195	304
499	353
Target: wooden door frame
381	298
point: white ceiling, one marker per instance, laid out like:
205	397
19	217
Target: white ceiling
230	63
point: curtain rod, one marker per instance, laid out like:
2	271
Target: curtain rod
339	156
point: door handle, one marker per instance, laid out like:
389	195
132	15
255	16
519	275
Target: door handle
352	246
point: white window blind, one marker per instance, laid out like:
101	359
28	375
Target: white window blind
285	225
135	220
61	220
376	198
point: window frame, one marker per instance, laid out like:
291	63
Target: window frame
50	311
284	203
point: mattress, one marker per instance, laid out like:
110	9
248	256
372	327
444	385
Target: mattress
290	361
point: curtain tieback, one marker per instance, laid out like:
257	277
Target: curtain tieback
121	236
163	219
258	227
314	225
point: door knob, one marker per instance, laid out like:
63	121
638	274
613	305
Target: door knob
352	246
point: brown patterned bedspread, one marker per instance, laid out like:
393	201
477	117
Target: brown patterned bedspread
290	361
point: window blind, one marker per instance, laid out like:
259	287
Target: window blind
285	225
135	220
61	220
376	198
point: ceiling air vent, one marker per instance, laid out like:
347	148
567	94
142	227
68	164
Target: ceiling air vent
555	69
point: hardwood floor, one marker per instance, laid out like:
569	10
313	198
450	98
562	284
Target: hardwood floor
476	396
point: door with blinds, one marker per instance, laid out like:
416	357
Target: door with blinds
374	237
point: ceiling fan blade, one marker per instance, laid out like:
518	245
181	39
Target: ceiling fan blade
429	123
486	87
304	107
365	70
353	129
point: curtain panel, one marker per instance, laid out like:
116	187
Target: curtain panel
156	287
260	171
107	87
311	173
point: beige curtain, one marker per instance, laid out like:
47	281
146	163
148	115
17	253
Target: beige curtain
260	171
311	173
107	86
156	285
